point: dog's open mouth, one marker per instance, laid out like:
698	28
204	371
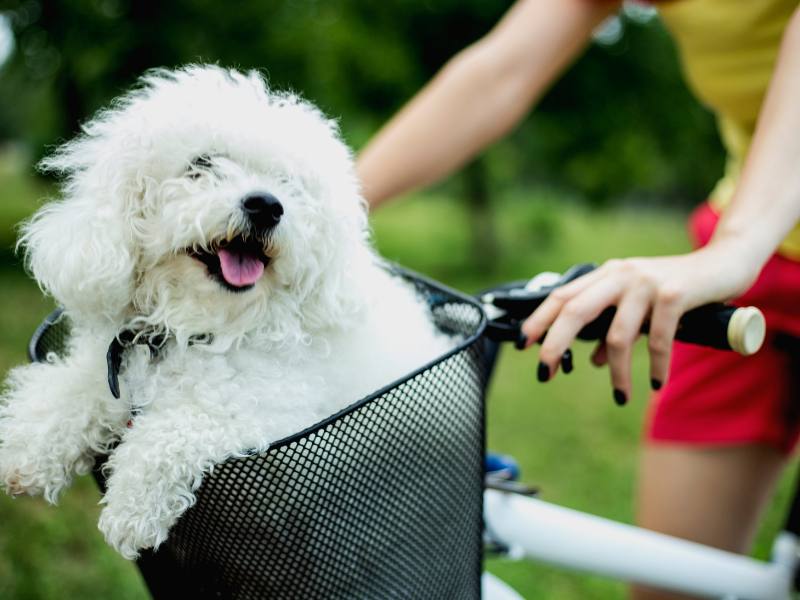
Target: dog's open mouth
237	264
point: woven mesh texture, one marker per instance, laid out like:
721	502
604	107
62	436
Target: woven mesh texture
381	501
50	336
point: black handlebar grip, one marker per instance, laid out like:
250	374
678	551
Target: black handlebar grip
720	326
714	325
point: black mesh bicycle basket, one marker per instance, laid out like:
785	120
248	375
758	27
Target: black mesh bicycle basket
382	500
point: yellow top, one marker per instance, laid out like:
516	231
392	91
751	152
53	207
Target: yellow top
729	49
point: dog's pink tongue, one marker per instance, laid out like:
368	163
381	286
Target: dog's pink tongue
240	269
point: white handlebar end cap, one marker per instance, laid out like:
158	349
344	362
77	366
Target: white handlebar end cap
746	330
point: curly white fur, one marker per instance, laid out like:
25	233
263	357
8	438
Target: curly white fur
323	327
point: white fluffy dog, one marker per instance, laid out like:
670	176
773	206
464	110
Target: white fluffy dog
222	223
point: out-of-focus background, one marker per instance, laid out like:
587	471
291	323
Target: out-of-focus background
609	165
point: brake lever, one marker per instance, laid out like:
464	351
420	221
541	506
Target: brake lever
518	300
508	305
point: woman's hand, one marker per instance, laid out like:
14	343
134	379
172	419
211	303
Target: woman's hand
658	290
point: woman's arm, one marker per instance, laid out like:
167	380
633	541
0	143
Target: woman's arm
479	96
767	203
765	208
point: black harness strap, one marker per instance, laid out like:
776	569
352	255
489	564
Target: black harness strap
116	350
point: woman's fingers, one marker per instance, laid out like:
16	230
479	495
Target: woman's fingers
625	329
566	362
599	355
657	289
573	316
539	322
663	324
626	284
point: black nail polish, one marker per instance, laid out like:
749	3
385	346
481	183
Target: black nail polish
522	341
566	361
655	384
620	398
543	372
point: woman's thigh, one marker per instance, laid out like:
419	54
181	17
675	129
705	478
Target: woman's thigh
713	496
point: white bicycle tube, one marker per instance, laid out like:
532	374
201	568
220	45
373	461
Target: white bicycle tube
575	540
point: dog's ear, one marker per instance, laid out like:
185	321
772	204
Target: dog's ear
348	258
78	248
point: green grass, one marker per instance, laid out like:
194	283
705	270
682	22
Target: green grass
570	438
51	552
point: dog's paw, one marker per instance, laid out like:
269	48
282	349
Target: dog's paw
33	465
12	483
19	477
129	530
129	534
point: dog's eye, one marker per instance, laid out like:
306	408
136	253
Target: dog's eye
198	165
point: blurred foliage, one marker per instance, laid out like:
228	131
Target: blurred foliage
621	125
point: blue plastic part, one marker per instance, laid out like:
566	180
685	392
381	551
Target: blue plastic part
501	465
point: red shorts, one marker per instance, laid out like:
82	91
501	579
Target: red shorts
717	398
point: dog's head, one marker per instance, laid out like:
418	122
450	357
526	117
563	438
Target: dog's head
203	202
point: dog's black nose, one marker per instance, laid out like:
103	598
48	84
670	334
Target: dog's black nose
263	209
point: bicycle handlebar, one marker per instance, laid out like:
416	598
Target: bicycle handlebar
721	326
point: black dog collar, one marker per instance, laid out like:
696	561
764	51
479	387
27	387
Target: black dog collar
128	338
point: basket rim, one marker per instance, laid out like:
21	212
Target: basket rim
53	317
397	382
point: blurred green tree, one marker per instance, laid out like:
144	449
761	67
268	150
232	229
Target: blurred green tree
621	125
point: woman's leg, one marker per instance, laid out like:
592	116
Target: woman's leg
713	496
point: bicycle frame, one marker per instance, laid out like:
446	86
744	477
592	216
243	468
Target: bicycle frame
568	538
529	527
